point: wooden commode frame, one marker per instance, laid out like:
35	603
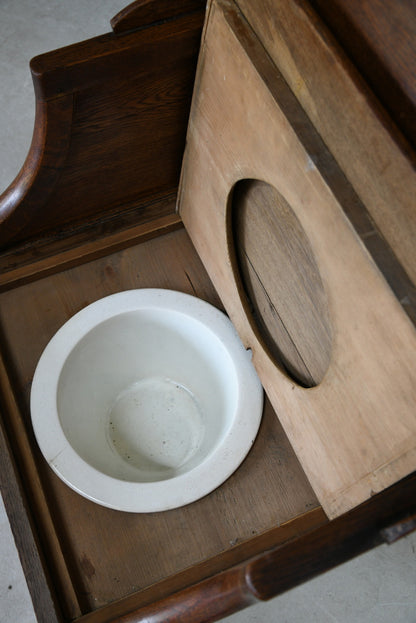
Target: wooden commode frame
273	182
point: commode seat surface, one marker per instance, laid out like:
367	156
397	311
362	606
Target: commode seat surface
355	430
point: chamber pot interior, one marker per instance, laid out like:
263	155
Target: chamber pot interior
147	395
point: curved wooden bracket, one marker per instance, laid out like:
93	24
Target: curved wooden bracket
42	168
110	127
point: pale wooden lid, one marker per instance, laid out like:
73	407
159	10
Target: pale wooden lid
354	428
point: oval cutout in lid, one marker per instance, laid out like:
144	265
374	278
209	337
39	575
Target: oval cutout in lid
279	275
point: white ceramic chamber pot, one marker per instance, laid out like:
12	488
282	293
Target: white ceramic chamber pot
146	400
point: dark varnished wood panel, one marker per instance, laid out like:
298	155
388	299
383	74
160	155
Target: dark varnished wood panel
283	567
46	609
29	262
111	555
109	129
143	12
24	505
344	538
40	173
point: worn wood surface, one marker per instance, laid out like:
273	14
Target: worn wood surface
47	610
40	258
203	600
48	547
215	597
349	535
90	563
363	138
281	568
112	555
380	38
110	129
281	280
355	433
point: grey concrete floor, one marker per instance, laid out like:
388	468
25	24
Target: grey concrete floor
378	587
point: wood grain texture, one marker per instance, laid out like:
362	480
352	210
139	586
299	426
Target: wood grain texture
167	595
281	568
41	170
16	504
112	566
355	433
34	497
210	601
144	12
364	140
349	535
380	38
41	258
113	556
109	130
282	281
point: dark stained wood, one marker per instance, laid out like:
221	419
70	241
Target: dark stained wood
41	258
152	600
344	538
24	532
33	496
213	599
380	37
109	130
143	12
41	170
283	567
134	552
140	56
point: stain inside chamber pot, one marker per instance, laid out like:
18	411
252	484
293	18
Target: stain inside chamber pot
156	424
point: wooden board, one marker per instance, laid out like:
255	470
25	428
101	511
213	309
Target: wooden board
103	563
380	37
355	432
110	125
376	159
